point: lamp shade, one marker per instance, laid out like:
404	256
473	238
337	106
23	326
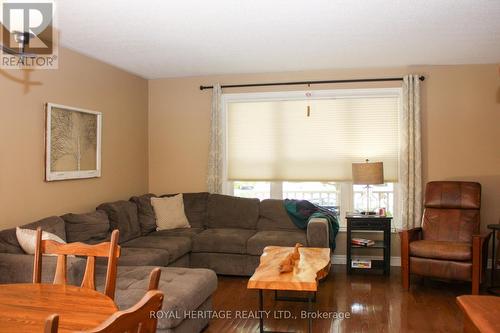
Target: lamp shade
369	173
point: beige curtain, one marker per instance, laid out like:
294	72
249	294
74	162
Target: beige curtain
410	173
215	153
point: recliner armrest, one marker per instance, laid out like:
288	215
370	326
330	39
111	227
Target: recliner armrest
480	244
479	256
482	237
407	236
410	235
317	233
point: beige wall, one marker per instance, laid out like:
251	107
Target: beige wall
80	82
461	126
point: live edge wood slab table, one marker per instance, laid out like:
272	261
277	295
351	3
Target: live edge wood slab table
481	313
312	266
24	307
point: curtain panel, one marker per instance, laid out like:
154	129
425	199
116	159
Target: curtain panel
215	152
410	173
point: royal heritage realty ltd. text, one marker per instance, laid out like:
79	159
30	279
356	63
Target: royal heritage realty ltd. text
247	314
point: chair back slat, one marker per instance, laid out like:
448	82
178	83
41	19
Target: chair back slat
109	249
138	318
113	254
89	276
154	279
60	276
37	262
77	248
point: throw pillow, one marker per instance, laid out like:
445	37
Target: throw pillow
195	207
27	239
170	213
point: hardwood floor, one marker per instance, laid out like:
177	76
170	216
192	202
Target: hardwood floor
376	304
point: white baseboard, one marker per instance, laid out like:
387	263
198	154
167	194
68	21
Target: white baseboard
341	259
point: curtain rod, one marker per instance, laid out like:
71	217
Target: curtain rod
422	78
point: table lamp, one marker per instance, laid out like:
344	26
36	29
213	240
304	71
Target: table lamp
368	173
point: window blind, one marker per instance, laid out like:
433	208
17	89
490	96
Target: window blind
277	141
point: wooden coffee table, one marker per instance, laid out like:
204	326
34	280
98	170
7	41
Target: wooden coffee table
313	265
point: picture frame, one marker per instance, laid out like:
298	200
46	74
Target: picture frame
72	143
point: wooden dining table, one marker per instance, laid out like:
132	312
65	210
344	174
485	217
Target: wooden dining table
24	307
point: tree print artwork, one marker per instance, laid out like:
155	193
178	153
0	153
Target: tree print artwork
74	140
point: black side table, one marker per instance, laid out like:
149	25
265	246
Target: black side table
494	289
370	223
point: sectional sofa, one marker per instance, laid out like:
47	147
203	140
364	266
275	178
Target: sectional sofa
227	236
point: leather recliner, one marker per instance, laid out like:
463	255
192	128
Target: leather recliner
448	244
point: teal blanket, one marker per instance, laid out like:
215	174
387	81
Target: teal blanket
301	211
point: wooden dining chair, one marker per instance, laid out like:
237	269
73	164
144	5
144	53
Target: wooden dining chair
137	319
51	324
110	249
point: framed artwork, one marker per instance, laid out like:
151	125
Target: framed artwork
72	143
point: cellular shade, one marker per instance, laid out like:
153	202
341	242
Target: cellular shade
276	141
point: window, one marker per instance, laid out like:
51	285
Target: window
275	148
381	196
323	194
260	190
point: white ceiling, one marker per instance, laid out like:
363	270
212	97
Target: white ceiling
157	39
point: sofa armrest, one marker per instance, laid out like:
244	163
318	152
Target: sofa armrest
18	268
317	233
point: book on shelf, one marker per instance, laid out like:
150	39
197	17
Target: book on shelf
361	263
362	242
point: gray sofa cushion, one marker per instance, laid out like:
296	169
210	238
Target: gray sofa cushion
222	240
145	212
52	224
175	246
222	263
185	289
8	242
131	256
123	216
194	323
18	268
180	232
261	239
224	211
273	216
90	227
195	207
